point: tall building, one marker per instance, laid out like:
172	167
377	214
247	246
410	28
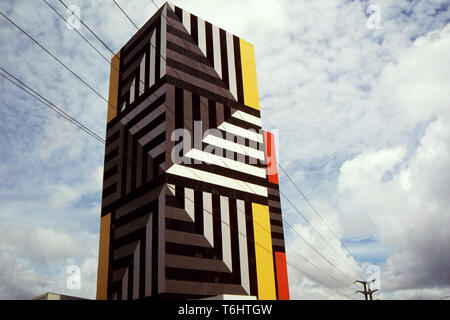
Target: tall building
190	205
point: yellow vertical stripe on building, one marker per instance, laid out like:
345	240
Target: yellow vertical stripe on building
113	87
265	272
249	78
103	257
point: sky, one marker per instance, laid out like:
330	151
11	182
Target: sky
357	90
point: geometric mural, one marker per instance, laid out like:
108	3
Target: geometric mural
190	204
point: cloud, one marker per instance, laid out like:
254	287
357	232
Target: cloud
360	185
21	281
36	261
420	294
409	212
64	196
18	281
44	245
304	288
3	169
414	83
98	176
58	135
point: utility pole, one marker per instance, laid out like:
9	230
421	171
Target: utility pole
364	283
367	291
370	293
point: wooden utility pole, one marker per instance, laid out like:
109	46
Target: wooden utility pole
371	291
364	283
367	291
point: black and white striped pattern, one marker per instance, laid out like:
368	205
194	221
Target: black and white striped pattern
220	47
183	230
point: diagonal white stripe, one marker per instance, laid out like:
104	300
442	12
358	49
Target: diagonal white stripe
234	147
202	35
217	179
247	118
243	254
249	134
216	47
231	65
210	158
208	218
152	58
226	232
187	21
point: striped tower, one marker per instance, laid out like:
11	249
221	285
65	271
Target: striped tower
211	223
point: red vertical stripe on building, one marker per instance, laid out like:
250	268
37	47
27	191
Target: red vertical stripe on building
272	168
282	277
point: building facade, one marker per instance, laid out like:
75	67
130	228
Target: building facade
190	204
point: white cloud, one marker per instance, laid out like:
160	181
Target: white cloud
54	245
359	188
409	213
302	287
64	196
59	135
44	245
21	281
99	178
3	169
415	83
18	280
36	261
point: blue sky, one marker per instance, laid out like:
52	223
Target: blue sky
363	116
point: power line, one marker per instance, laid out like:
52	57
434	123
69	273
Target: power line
320	269
50	105
313	228
74	29
318	214
89	29
155	4
54	57
319	282
129	19
315	250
